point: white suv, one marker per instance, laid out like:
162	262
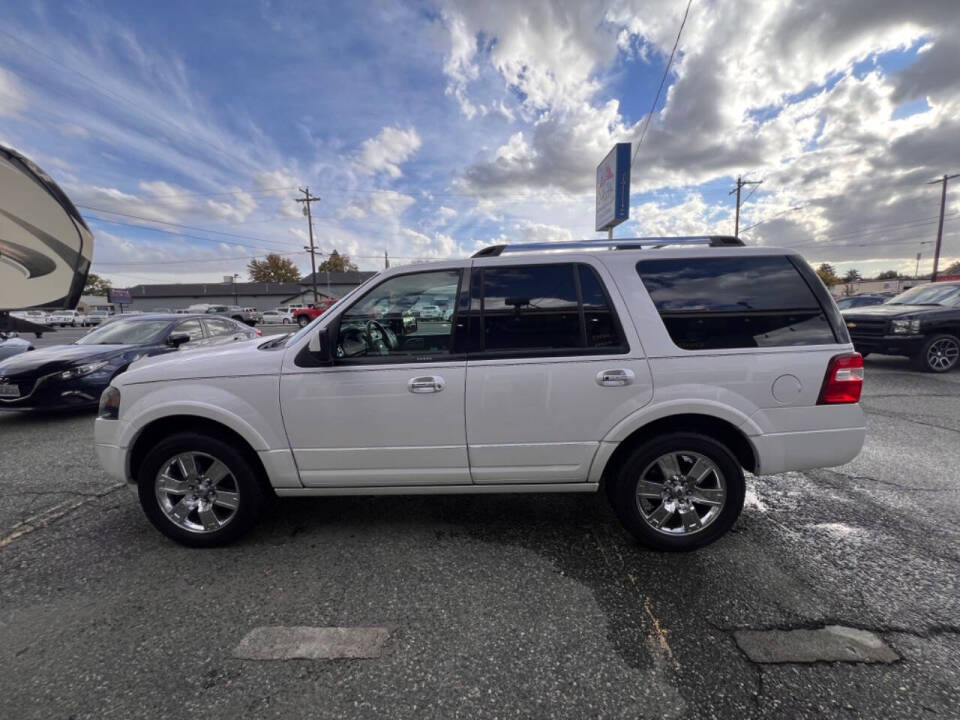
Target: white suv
660	369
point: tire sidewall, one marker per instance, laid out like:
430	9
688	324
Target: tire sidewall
249	486
623	492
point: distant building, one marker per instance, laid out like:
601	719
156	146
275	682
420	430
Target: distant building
91	303
334	284
262	296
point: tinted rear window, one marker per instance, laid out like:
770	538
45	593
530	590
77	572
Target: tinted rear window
735	302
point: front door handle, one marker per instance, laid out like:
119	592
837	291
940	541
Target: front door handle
615	378
426	384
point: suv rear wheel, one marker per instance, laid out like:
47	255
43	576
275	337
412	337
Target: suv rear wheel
303	320
678	492
198	490
940	353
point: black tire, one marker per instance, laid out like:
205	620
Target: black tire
622	492
303	320
248	485
929	360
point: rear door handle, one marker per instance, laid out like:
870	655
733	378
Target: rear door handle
426	384
615	378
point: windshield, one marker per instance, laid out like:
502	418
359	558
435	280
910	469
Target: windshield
306	328
931	294
125	332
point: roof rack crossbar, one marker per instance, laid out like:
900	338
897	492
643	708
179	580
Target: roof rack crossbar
612	244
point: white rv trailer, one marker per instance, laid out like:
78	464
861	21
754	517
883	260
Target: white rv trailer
45	246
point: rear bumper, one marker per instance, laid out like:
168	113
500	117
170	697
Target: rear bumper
908	345
808	449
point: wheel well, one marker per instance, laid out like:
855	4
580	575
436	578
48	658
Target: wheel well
173	424
720	430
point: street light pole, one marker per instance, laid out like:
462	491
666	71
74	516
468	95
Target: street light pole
307	199
943	202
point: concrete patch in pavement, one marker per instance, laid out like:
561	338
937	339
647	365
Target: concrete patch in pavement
833	643
312	643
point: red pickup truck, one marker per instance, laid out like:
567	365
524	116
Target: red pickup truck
305	314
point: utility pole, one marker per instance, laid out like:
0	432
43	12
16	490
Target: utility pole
917	269
386	261
943	202
307	199
740	184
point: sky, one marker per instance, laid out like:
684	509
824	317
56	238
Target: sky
183	130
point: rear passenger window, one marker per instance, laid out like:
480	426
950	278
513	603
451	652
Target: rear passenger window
530	308
602	328
543	310
735	302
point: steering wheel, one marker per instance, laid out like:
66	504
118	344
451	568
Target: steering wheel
377	334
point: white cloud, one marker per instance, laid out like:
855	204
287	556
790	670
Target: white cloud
387	151
12	99
743	96
236	209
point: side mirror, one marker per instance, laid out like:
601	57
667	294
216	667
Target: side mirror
177	339
319	346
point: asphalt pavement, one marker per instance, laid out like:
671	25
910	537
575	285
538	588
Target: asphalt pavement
495	606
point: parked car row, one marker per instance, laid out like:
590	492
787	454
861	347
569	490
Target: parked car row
74	375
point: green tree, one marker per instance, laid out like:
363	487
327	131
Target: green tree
953	269
852	275
828	275
96	285
336	262
273	269
888	275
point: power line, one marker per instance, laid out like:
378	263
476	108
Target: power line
666	71
171	224
196	260
257	191
111	221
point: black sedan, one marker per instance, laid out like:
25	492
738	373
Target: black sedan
68	376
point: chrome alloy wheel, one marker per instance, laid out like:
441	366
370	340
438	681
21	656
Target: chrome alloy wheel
197	492
943	354
681	493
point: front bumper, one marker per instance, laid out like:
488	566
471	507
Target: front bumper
908	345
50	393
111	454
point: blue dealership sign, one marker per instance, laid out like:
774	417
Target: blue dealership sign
613	187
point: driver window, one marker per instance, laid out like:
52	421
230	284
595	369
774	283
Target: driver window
191	328
401	317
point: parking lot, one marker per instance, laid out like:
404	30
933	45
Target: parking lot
514	605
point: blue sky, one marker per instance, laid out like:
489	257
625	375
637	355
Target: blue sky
432	128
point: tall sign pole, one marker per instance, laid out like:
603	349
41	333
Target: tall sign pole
613	189
943	202
307	199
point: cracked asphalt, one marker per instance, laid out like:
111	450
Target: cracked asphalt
510	606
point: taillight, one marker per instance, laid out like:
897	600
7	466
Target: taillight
844	380
258	332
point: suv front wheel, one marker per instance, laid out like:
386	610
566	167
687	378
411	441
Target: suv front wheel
940	353
199	490
678	492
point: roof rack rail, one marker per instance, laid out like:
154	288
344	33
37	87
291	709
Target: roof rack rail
612	244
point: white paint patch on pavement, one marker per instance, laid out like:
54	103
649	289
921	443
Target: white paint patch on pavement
839	531
833	643
752	501
312	643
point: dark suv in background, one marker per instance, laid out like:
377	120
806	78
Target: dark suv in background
922	323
